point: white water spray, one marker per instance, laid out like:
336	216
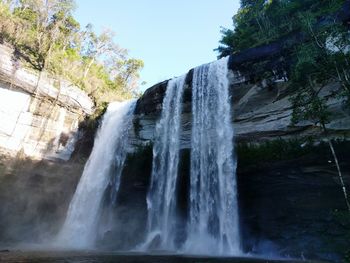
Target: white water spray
80	227
213	224
161	199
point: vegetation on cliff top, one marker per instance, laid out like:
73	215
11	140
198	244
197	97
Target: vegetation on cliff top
322	57
47	38
259	22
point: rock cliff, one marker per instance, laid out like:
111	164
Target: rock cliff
39	119
261	111
39	115
289	206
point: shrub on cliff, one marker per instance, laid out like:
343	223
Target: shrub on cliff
47	37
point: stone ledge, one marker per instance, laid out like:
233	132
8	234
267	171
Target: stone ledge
26	80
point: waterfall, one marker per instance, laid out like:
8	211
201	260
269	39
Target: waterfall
161	198
80	227
213	221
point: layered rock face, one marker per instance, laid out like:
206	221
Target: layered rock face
261	111
39	114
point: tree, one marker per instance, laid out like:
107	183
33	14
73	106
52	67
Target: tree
47	18
226	43
260	22
100	45
319	63
308	105
128	73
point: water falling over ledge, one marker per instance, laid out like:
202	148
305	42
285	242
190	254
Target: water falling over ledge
80	227
161	198
212	222
213	225
210	225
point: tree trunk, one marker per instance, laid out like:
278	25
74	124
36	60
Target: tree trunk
339	173
88	68
338	168
34	102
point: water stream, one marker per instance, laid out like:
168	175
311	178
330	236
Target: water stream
213	224
212	220
80	227
161	198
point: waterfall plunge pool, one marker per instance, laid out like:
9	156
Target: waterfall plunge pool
127	257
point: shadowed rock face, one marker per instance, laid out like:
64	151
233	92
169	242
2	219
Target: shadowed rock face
287	208
34	197
293	207
152	99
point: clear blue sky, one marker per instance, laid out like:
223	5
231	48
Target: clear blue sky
170	36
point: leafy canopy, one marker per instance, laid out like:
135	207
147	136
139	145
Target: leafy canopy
47	38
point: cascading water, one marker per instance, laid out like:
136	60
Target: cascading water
80	227
161	198
213	224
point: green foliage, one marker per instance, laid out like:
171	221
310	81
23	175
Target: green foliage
319	62
284	150
323	58
261	22
128	69
48	38
275	150
309	106
225	48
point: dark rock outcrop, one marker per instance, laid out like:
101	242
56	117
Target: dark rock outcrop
152	99
294	207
